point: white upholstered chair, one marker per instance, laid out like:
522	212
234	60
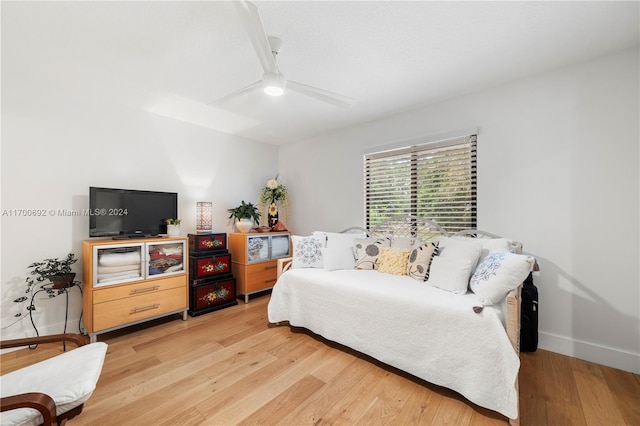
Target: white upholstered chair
54	390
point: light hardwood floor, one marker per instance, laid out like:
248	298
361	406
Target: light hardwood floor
229	367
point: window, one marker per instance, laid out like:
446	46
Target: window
434	180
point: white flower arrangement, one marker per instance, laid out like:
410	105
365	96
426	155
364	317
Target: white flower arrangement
273	192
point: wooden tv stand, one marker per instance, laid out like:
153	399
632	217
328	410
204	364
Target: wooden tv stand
117	292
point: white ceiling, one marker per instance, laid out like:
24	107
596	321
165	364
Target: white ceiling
175	58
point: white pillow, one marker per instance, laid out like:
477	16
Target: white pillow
405	243
493	244
456	261
306	252
338	239
498	274
338	258
321	235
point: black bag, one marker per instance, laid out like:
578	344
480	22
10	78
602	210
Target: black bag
529	316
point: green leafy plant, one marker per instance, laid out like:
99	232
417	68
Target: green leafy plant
173	221
245	211
56	271
49	270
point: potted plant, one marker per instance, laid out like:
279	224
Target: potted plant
48	271
55	270
245	214
173	227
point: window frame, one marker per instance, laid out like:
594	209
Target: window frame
412	163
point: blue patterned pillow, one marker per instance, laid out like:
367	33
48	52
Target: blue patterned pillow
498	274
307	252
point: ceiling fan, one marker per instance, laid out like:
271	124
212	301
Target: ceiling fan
273	82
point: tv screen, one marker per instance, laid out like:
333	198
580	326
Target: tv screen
130	213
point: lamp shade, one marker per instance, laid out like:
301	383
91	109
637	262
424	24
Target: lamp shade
204	220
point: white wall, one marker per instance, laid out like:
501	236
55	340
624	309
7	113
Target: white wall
558	165
64	137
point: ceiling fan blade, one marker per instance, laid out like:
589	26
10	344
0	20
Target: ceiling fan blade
320	94
257	35
237	92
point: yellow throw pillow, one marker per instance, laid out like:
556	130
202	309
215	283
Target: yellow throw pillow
393	260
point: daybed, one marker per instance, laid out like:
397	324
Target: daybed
463	340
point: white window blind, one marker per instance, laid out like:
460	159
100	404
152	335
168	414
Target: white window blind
434	180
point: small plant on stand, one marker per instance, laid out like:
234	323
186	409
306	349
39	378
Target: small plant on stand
55	270
52	276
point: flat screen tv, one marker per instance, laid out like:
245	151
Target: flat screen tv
128	213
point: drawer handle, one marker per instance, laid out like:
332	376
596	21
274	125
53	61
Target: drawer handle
142	290
145	308
270	281
271	267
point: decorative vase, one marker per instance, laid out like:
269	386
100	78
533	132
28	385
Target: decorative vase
272	214
173	230
244	225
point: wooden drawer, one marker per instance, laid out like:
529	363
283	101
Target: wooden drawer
124	311
105	294
216	294
209	265
206	243
260	276
270	267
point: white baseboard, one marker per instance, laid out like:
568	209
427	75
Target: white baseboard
610	357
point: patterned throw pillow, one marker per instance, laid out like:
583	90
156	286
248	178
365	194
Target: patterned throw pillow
393	261
420	261
307	252
498	274
367	252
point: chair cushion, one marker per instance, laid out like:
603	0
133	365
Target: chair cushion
69	378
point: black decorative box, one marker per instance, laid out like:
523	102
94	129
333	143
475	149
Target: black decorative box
212	295
202	243
209	265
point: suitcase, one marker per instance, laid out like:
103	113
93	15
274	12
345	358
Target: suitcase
529	316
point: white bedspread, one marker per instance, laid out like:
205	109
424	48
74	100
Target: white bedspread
430	333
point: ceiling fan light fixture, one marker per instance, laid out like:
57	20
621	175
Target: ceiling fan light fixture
267	49
273	84
273	91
